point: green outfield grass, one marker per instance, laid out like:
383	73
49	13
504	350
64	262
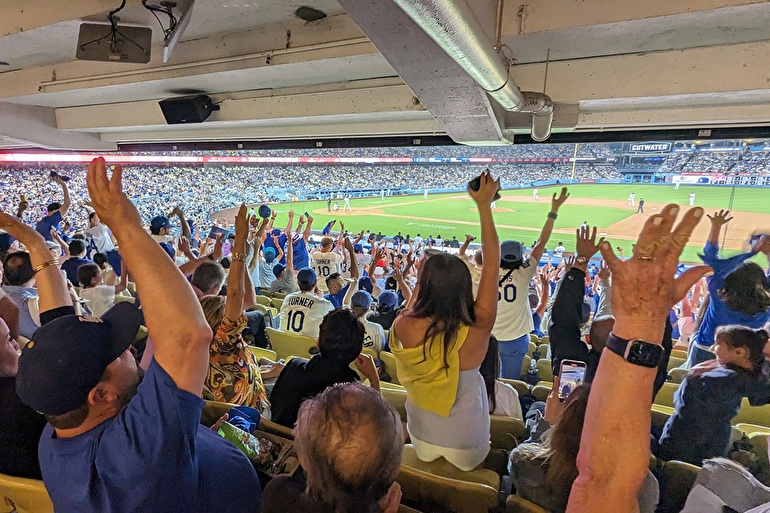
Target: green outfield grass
453	214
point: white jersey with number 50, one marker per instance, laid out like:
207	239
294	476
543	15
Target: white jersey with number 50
302	312
514	317
326	264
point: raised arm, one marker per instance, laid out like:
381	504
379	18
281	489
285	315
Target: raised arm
51	286
235	282
186	232
718	220
605	292
181	335
466	243
545	234
615	444
306	233
353	264
290	251
67	202
486	298
188	268
545	290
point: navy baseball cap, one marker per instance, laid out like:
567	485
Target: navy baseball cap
5	241
67	357
388	299
511	251
159	222
278	269
365	283
361	299
358	248
307	276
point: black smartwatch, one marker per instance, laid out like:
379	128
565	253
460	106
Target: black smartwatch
636	351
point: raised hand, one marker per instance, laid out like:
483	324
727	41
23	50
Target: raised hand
220	240
648	278
568	263
487	189
107	197
242	221
291	214
720	218
184	246
586	244
557	202
20	231
604	271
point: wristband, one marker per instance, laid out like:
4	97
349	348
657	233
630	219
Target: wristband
552	215
238	257
42	266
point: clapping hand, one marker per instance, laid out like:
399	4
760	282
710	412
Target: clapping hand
107	197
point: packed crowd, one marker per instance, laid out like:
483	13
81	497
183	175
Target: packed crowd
93	408
754	162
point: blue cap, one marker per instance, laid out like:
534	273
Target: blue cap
269	251
361	299
278	269
307	276
388	299
5	241
67	357
358	248
169	249
276	231
511	251
159	222
365	283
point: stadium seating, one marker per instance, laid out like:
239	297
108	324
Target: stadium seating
521	387
678	353
678	375
676	479
674	363
261	353
757	415
516	504
440	486
279	295
19	495
752	429
545	339
541	391
532	349
544	370
665	395
525	364
397	399
389	366
534	338
543	350
505	432
289	344
276	303
263	300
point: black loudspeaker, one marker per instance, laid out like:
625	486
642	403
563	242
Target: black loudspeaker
187	109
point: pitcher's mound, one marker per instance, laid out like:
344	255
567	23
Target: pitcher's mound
496	210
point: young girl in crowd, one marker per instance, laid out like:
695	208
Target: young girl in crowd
739	291
101	297
710	396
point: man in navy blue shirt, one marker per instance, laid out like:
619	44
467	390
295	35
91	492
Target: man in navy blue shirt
115	443
78	249
56	211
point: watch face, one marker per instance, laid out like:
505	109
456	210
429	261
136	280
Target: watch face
645	354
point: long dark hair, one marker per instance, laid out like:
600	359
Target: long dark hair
746	290
446	298
490	371
752	340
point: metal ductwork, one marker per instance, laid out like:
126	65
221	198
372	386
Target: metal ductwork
453	25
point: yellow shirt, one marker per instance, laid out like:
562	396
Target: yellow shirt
430	385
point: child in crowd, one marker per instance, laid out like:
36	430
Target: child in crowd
101	297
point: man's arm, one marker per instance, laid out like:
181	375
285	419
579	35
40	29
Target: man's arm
181	335
182	223
615	444
65	204
605	298
289	252
188	268
537	251
306	233
236	288
466	243
353	264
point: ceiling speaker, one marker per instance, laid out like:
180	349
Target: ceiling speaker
187	109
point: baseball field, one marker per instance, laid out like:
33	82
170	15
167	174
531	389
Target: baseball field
519	216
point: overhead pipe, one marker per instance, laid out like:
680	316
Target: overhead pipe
453	25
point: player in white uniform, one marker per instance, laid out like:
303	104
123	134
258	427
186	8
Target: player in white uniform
631	198
692	199
534	195
514	316
326	262
303	311
346	205
676	185
425	194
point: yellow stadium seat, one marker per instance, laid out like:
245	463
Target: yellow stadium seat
544	370
752	429
541	391
279	295
534	338
124	299
504	432
532	348
23	341
389	364
521	387
290	344
675	362
676	479
268	293
665	396
678	375
757	415
543	350
516	504
369	352
131	287
276	303
440	486
525	364
545	340
19	495
396	398
660	415
758	443
261	353
263	300
265	310
678	353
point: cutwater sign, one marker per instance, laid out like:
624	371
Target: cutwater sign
650	147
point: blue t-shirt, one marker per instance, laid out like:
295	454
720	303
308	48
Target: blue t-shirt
338	298
70	266
300	255
717	314
153	456
282	241
44	226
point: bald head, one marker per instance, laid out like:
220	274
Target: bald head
349	441
600	330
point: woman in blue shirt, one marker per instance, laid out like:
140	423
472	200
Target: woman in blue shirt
739	292
710	396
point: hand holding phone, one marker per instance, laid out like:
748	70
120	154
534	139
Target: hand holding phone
572	374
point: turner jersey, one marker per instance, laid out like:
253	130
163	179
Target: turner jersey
326	264
514	317
302	312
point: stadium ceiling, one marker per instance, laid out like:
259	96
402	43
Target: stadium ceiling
367	69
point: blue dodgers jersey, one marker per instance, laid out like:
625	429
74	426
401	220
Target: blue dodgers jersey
154	456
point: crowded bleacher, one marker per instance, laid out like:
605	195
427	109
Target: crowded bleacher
269	369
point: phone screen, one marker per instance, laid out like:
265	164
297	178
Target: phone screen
216	230
571	375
